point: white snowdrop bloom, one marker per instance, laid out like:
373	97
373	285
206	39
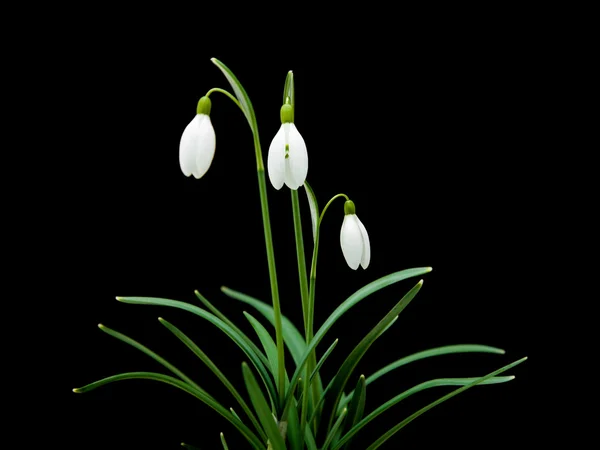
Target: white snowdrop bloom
288	159
354	239
197	145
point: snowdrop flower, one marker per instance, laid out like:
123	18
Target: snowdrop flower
197	145
354	239
288	160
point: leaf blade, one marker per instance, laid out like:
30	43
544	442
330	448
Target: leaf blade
413	416
262	409
246	432
419	387
235	337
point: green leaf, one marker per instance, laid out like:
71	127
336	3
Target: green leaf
323	359
184	445
258	363
224	318
357	406
153	355
224	442
207	399
266	341
313	207
262	409
413	416
288	90
294	434
309	439
240	94
422	386
334	429
214	369
292	337
339	381
438	351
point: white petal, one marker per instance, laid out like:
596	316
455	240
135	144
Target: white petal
351	241
188	145
297	167
366	255
276	159
206	146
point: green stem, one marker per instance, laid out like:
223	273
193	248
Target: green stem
262	185
301	257
311	302
223	91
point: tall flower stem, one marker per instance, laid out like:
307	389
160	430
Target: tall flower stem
262	186
311	303
244	103
302	274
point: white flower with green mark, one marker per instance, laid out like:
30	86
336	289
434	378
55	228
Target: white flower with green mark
288	159
354	239
197	145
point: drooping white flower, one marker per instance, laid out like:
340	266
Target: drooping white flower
354	239
197	145
288	159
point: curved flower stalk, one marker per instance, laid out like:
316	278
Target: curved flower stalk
354	239
198	141
288	159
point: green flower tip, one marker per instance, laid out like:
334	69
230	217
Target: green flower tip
287	113
204	105
349	207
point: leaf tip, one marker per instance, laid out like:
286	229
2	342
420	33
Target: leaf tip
362	377
101	326
77	390
161	320
428	269
222	435
119	299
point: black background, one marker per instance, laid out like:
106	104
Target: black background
431	130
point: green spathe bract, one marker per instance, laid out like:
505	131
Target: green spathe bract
288	408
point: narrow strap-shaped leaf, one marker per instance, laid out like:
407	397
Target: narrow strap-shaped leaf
313	207
224	442
334	429
233	326
419	387
240	94
323	359
345	306
343	374
309	439
289	95
191	447
266	341
235	337
262	409
357	405
294	435
208	400
214	369
438	351
292	337
413	416
153	355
